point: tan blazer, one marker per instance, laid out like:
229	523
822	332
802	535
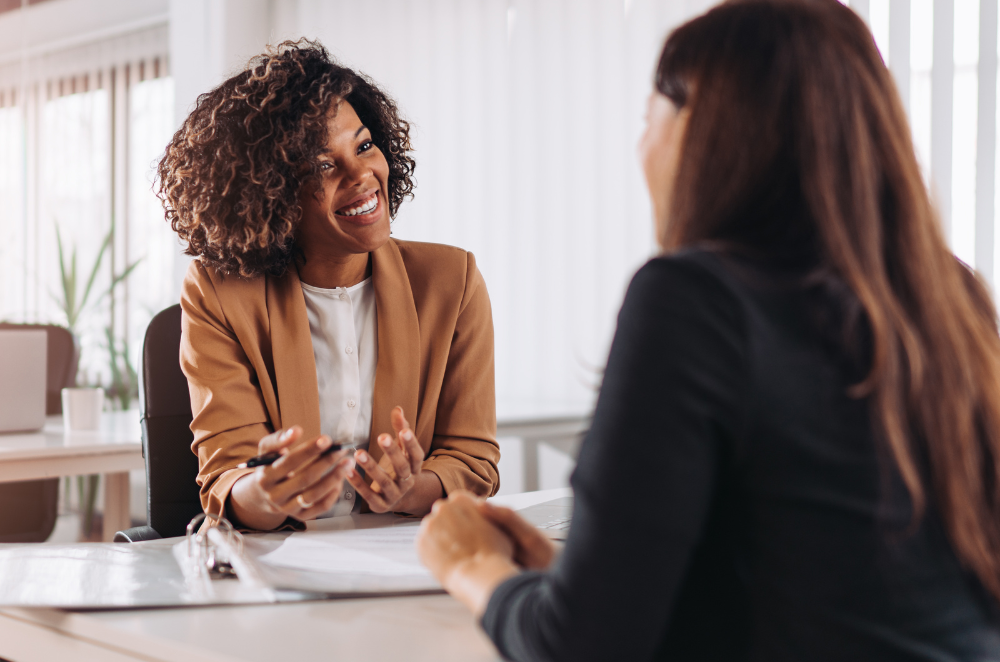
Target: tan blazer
247	353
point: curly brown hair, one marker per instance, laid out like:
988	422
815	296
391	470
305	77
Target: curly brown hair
231	176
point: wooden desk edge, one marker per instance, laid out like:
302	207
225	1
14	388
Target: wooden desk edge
62	635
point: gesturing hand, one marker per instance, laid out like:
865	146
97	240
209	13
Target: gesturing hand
398	481
303	483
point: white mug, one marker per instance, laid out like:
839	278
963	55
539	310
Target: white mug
82	409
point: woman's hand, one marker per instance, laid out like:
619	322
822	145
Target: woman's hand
303	483
532	550
398	480
465	551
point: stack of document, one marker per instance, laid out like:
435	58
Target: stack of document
347	561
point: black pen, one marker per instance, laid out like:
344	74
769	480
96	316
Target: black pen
270	458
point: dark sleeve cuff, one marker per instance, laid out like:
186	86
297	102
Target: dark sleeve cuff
500	619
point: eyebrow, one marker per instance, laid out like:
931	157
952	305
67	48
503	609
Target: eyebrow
326	150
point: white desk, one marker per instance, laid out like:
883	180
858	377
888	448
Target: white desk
556	423
431	628
113	451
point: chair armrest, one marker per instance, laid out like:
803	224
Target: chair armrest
137	534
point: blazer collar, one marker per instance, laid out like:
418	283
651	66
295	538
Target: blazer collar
291	346
397	374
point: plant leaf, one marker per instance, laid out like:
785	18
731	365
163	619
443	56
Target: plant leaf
94	271
66	303
121	277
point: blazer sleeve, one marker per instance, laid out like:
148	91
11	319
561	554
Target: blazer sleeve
230	416
464	452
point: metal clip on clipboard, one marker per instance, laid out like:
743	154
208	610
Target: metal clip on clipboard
205	553
215	551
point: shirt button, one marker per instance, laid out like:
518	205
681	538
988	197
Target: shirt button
348	495
349	349
351	403
343	295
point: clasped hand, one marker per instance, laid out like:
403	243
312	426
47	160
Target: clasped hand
471	546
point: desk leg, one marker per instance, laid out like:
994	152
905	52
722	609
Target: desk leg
568	445
116	504
529	460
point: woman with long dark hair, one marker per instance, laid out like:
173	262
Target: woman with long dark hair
796	450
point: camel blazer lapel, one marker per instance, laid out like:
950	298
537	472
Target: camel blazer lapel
397	373
291	346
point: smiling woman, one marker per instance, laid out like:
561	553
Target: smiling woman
305	325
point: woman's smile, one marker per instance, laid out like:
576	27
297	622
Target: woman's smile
363	209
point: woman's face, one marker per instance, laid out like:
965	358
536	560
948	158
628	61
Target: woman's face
660	151
348	213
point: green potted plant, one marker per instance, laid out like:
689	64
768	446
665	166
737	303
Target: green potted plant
73	303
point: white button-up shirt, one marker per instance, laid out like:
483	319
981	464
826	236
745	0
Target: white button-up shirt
343	326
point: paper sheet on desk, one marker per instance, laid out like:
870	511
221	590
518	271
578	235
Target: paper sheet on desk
349	561
388	552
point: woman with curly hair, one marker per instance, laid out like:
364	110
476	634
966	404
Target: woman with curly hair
305	325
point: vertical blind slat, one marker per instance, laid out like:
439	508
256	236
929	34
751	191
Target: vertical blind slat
942	106
986	139
899	47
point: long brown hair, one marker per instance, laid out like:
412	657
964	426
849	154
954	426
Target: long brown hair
798	148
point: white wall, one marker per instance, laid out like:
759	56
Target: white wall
211	40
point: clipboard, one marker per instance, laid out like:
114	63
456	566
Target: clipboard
163	573
109	576
356	556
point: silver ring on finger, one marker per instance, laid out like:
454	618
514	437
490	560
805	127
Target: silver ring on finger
305	505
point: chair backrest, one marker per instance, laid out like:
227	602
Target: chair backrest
172	496
62	359
28	509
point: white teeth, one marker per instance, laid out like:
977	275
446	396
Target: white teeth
363	209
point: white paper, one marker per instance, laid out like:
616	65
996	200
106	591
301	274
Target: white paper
384	552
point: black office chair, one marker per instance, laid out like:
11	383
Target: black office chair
172	496
29	508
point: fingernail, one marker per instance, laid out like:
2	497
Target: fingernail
362	456
384	441
350	473
286	434
324	442
408	435
291	474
